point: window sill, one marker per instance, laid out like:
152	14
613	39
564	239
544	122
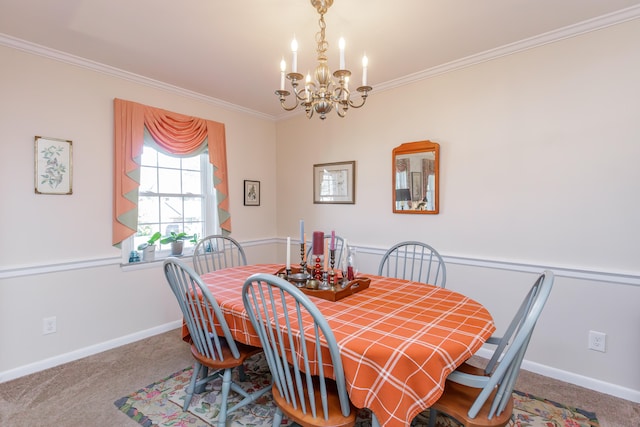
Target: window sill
159	259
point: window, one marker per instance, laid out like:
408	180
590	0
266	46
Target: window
175	195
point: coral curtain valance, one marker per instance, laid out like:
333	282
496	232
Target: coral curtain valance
175	133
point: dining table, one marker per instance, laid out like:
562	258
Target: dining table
398	339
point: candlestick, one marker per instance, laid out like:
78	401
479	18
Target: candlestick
326	256
317	268
303	262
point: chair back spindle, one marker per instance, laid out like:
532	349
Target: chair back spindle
216	252
415	261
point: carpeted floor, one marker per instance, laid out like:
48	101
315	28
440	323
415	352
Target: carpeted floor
160	404
82	393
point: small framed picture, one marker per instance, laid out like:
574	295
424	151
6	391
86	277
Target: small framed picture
251	193
334	183
53	166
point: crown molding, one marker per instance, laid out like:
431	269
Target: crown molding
67	58
595	24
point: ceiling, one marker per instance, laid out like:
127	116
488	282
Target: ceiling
231	50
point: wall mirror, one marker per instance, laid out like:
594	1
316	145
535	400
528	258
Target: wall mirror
416	168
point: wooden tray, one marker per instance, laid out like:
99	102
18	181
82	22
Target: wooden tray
356	285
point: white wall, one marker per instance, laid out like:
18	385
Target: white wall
57	259
539	168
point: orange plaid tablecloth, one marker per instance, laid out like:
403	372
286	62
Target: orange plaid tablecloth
398	339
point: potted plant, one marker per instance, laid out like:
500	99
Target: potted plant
177	241
148	248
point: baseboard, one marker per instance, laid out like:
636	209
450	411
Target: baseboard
86	351
573	378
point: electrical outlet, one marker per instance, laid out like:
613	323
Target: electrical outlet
49	325
597	341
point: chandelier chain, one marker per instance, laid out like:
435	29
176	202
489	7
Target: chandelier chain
320	39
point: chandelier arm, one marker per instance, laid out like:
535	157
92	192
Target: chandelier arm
364	92
354	105
282	95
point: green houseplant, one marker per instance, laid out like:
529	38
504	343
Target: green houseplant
148	248
177	241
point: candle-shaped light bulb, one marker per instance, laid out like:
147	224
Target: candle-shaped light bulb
283	68
294	50
365	64
341	44
307	87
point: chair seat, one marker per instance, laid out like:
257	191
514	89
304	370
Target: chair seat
457	399
307	420
228	360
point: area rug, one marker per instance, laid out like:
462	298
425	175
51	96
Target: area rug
160	404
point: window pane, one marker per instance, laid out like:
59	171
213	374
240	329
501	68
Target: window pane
171	210
148	212
149	157
165	161
195	228
191	183
192	163
172	227
148	180
192	209
169	181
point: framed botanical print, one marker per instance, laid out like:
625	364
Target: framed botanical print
53	166
251	193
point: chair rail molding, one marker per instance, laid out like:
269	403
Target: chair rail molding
621	278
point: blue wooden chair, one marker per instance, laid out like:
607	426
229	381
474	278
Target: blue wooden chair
219	353
483	397
309	400
415	261
216	252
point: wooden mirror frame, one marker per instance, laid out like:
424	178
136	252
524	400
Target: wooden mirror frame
415	196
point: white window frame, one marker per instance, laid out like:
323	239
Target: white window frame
210	217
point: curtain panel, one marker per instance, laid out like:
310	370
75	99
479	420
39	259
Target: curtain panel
175	133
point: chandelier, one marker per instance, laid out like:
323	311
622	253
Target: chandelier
324	93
